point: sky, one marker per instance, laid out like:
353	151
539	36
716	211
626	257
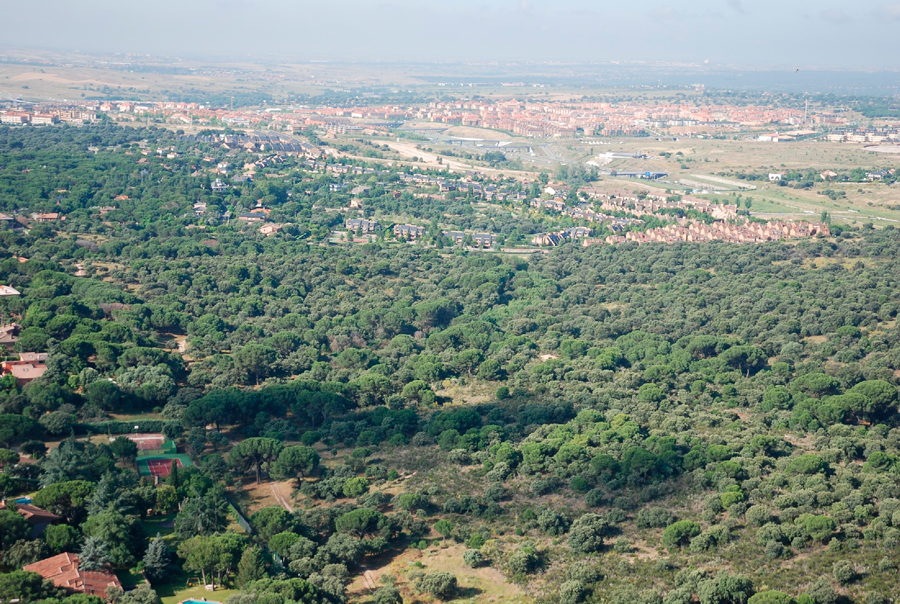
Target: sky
744	33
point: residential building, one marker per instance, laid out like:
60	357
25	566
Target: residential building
253	217
361	224
23	371
218	186
6	290
15	117
484	240
9	335
38	519
408	231
270	229
457	237
44	119
47	217
63	570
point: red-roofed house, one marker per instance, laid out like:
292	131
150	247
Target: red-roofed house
24	371
38	519
64	572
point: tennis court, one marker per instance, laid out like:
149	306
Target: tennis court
150	444
161	465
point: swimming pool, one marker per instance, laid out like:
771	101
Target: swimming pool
200	602
23	500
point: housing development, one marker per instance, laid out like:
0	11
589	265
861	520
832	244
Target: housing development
481	332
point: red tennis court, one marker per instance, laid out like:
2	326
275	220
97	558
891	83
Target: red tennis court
147	442
162	467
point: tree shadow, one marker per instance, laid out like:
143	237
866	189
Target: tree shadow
467	592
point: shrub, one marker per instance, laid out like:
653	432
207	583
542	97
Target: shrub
388	595
586	534
654	518
679	533
758	515
843	572
775	550
571	592
771	597
552	523
820	591
725	588
473	558
441	585
524	561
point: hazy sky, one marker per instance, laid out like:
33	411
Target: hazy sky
784	33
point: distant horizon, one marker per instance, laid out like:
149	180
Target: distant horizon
863	81
830	34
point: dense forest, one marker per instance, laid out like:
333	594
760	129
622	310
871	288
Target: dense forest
663	424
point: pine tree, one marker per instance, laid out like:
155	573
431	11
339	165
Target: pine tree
251	567
174	477
106	496
156	560
94	554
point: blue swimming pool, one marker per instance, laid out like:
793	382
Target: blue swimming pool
200	602
23	500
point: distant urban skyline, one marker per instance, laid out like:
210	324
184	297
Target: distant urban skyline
745	33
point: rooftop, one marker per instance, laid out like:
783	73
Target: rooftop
64	572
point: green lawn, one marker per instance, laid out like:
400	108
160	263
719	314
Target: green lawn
128	579
196	593
175	591
160	525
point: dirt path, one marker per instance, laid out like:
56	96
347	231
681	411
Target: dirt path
281	499
369	580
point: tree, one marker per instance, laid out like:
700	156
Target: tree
255	359
8	457
156	559
202	515
586	534
200	555
66	499
94	554
282	543
443	528
61	538
12	528
24	552
166	499
297	462
253	454
361	522
57	422
123	535
440	585
355	487
27	586
142	594
34	448
270	521
251	567
124	448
